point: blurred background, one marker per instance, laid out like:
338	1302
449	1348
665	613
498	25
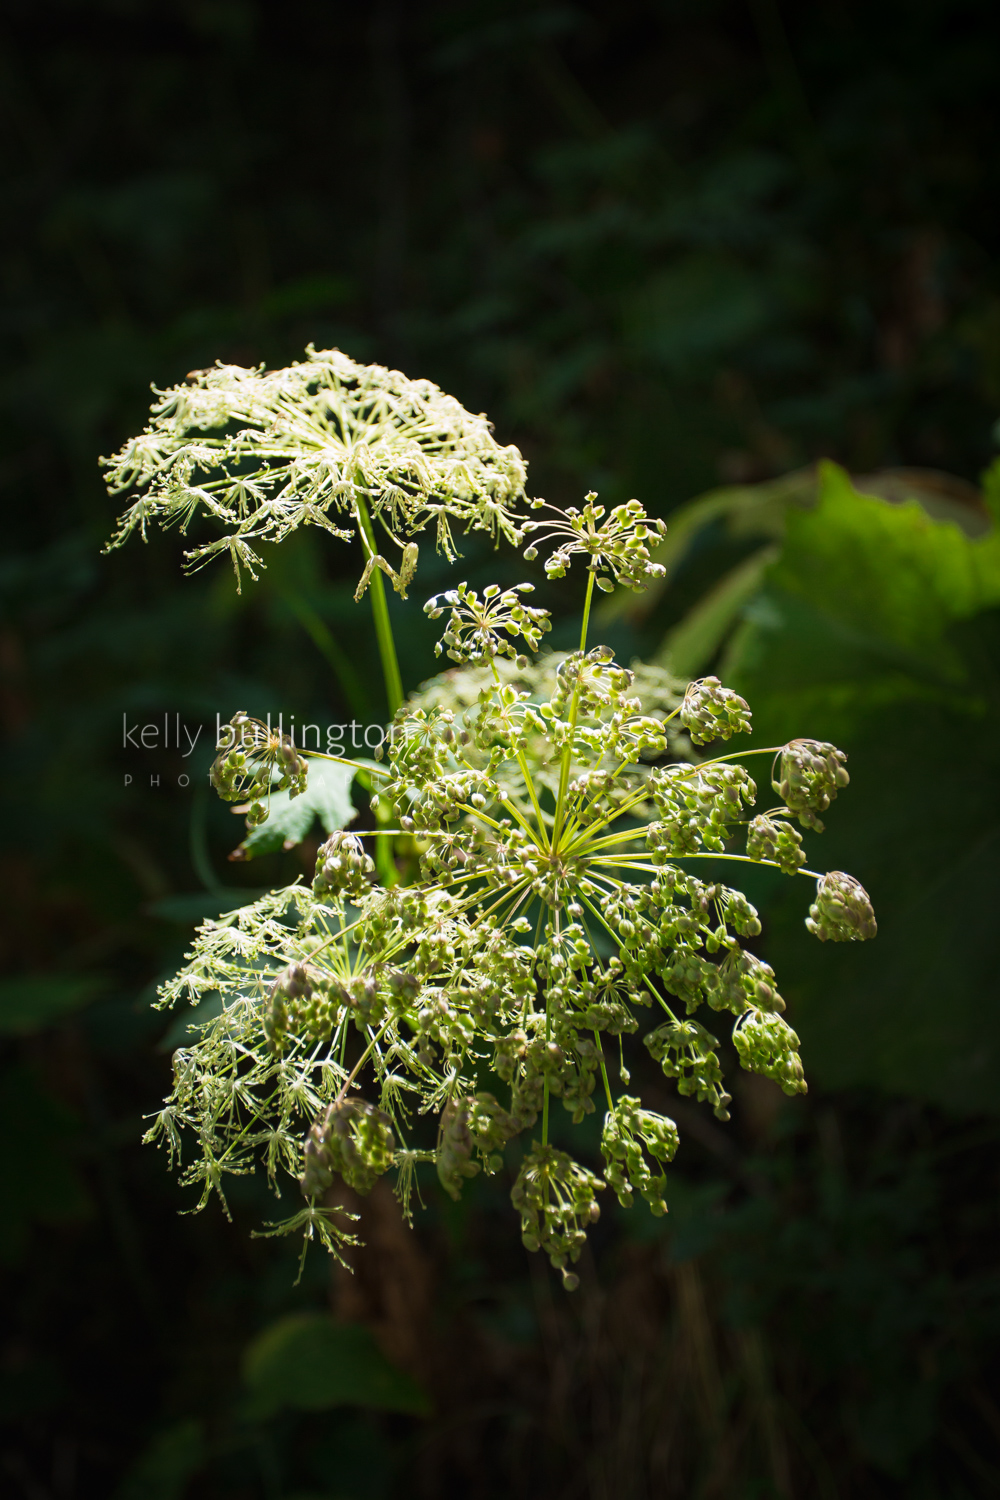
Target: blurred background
697	251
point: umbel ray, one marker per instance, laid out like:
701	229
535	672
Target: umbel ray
546	810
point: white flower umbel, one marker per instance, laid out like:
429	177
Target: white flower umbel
356	449
259	453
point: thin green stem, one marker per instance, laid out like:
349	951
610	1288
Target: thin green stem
342	760
526	773
586	610
604	1072
574	711
366	1054
383	625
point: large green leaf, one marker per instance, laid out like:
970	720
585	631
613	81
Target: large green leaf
308	1362
877	628
883	581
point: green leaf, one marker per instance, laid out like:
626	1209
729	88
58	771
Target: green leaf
28	1004
748	512
880	584
327	797
877	628
308	1362
164	1468
690	647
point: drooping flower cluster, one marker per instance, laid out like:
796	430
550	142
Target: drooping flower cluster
258	453
553	911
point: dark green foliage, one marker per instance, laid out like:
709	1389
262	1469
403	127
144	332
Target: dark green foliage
305	1361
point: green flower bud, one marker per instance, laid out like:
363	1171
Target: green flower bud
352	1139
842	911
713	712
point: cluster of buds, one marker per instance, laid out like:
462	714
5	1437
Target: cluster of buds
627	1129
744	980
842	911
478	1123
767	1044
808	774
252	762
775	840
342	867
686	1051
478	629
557	1201
697	805
292	987
713	712
617	546
352	1139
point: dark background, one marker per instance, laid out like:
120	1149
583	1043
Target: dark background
665	246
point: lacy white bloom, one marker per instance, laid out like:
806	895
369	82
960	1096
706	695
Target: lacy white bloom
259	453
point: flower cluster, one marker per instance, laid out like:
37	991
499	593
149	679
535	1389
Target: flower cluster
544	810
713	712
807	775
253	761
477	627
842	912
617	546
551	912
259	453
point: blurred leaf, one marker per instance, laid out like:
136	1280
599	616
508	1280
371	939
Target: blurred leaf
28	1004
691	645
194	906
874	630
885	580
311	1363
327	797
163	1470
700	308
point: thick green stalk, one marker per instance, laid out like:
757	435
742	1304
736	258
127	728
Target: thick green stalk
383	625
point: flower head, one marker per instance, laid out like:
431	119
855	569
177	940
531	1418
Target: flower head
259	453
480	629
617	545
